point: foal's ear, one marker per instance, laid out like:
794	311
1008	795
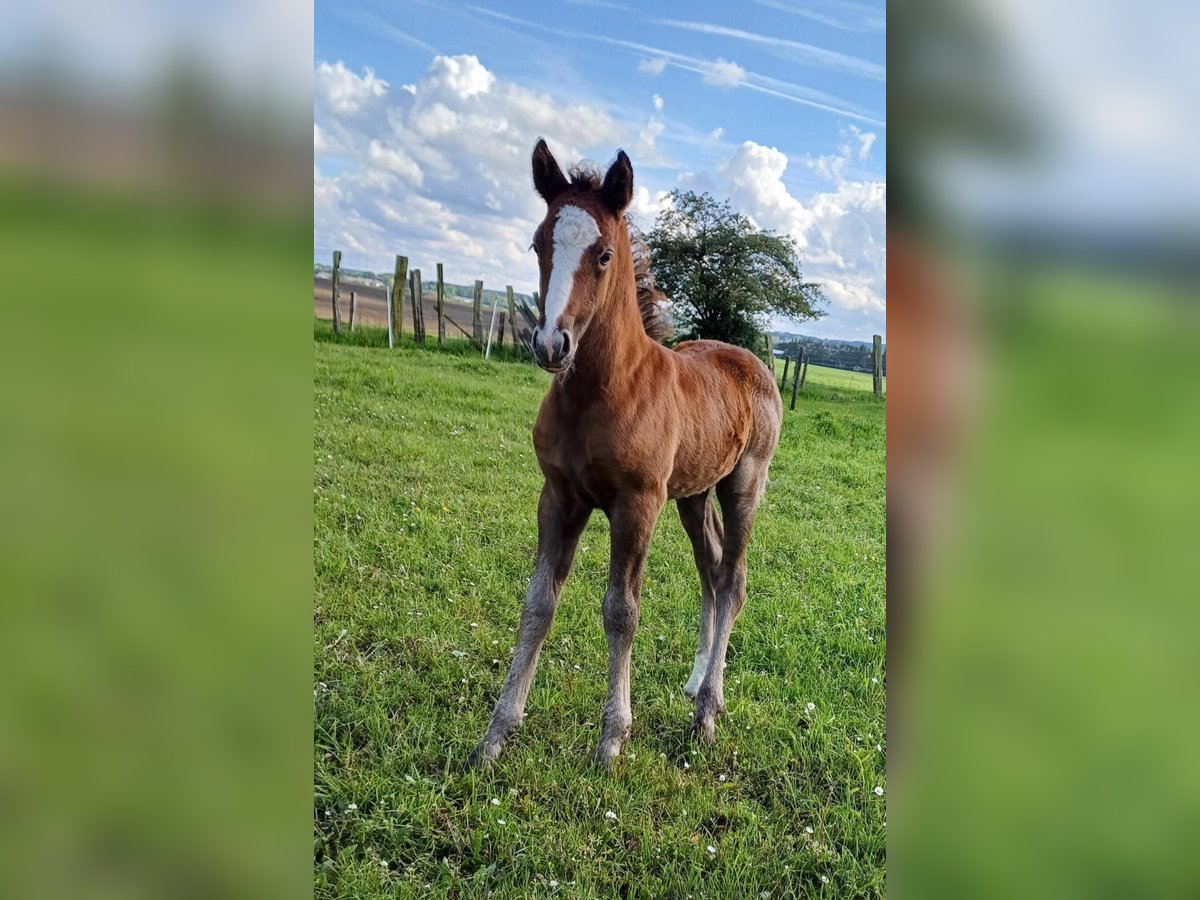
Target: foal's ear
618	184
548	178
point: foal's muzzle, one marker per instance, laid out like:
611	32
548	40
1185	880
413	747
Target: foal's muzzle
552	348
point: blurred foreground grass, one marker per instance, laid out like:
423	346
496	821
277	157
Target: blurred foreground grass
1049	713
153	547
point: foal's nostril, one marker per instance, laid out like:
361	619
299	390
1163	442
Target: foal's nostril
566	343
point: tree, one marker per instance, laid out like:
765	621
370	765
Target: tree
724	276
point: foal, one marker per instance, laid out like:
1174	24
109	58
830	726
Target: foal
627	425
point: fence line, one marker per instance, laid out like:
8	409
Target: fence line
796	368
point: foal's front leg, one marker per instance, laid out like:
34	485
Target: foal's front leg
632	521
560	523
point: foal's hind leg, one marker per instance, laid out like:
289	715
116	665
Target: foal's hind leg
740	493
703	527
560	523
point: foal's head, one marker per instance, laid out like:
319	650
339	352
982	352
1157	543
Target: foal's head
579	245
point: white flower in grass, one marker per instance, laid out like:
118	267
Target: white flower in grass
495	801
351	806
878	791
808	829
824	879
553	884
721	777
611	815
711	849
811	707
501	821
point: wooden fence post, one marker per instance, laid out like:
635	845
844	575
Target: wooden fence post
441	307
352	310
770	360
804	373
796	377
877	364
335	290
397	299
477	315
500	329
418	307
787	361
512	318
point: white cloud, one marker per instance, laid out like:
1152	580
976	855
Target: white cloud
648	135
840	232
856	145
439	170
343	91
646	205
459	77
652	66
865	141
658	103
716	134
723	73
395	161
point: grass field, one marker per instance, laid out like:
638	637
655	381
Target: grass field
425	487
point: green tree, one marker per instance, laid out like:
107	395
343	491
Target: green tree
724	276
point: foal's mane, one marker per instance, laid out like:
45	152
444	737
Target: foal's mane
651	301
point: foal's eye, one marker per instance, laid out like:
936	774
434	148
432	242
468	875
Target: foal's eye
605	258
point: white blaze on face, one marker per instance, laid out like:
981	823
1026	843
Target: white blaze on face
574	232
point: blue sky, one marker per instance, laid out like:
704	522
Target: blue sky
425	114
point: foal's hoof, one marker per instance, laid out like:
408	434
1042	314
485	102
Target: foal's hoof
483	756
705	730
606	754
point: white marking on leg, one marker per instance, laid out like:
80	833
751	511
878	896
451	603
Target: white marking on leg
574	231
698	670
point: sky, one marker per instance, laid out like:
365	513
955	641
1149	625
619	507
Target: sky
426	113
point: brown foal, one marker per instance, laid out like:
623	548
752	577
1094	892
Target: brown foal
626	426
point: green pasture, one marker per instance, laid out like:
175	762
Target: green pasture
424	494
